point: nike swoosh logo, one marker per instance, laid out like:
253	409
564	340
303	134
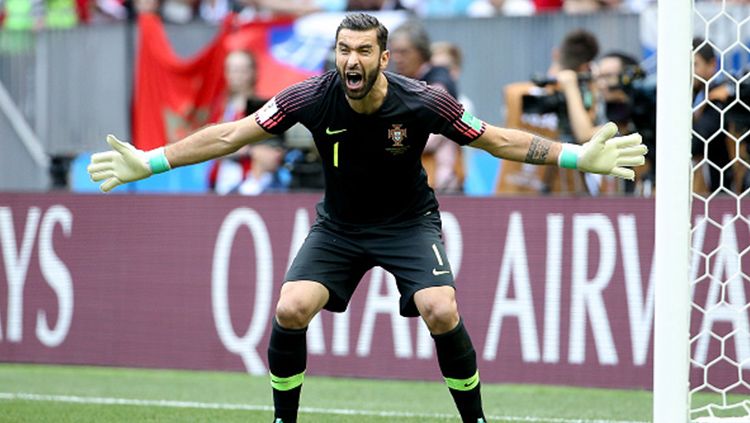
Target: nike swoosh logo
329	131
439	272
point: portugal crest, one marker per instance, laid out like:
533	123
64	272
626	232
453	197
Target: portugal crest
397	134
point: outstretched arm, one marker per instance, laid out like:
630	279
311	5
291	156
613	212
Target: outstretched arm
124	163
603	154
215	141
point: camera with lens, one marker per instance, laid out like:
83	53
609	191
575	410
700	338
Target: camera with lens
546	100
639	106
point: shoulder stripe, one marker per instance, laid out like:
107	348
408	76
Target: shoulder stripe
296	101
297	97
305	92
450	109
443	104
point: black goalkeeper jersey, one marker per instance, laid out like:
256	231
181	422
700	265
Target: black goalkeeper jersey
372	163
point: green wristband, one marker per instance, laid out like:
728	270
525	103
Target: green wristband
568	158
158	162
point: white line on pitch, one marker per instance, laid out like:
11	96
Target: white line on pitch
248	407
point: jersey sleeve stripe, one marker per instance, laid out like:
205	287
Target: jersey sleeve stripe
451	110
446	106
295	102
289	101
470	132
272	121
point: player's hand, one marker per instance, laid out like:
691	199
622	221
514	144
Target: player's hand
612	156
124	163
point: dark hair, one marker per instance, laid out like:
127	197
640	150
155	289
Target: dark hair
418	37
703	49
578	48
364	22
625	59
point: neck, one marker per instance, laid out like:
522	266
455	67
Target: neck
370	103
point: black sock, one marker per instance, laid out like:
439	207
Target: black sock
458	363
287	360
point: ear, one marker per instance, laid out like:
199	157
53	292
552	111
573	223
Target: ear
385	57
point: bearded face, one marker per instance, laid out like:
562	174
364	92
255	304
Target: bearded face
357	61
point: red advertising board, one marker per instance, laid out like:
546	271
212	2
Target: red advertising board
552	290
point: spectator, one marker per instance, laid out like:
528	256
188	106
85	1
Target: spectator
487	8
577	52
448	55
411	55
374	5
709	142
229	174
96	11
440	8
266	174
590	6
146	6
25	15
548	6
300	7
215	11
613	101
179	11
579	117
632	111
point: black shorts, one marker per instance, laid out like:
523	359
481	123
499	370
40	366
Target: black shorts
338	257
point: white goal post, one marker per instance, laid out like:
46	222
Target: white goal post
672	211
702	366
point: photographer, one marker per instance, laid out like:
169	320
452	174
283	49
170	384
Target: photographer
577	115
709	142
737	123
540	106
620	95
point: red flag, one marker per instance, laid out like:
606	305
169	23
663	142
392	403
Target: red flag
175	96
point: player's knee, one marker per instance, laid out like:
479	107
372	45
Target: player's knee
294	313
440	314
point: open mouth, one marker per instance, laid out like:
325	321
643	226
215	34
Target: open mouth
354	80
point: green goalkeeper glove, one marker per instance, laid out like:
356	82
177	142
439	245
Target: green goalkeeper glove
125	163
604	154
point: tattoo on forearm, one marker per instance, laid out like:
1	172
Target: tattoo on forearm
538	150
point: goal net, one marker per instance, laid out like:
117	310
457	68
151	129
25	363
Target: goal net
719	372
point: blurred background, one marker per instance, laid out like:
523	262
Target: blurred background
564	259
151	71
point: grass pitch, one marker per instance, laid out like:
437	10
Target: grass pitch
41	393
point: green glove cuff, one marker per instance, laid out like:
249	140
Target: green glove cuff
568	157
157	161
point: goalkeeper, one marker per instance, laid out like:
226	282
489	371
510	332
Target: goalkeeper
370	127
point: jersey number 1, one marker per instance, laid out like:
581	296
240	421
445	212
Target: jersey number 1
336	154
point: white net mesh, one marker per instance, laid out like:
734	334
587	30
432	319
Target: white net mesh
720	324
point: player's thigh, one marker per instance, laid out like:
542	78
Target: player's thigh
416	257
332	260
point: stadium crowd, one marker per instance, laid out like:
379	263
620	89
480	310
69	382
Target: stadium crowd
37	14
594	87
